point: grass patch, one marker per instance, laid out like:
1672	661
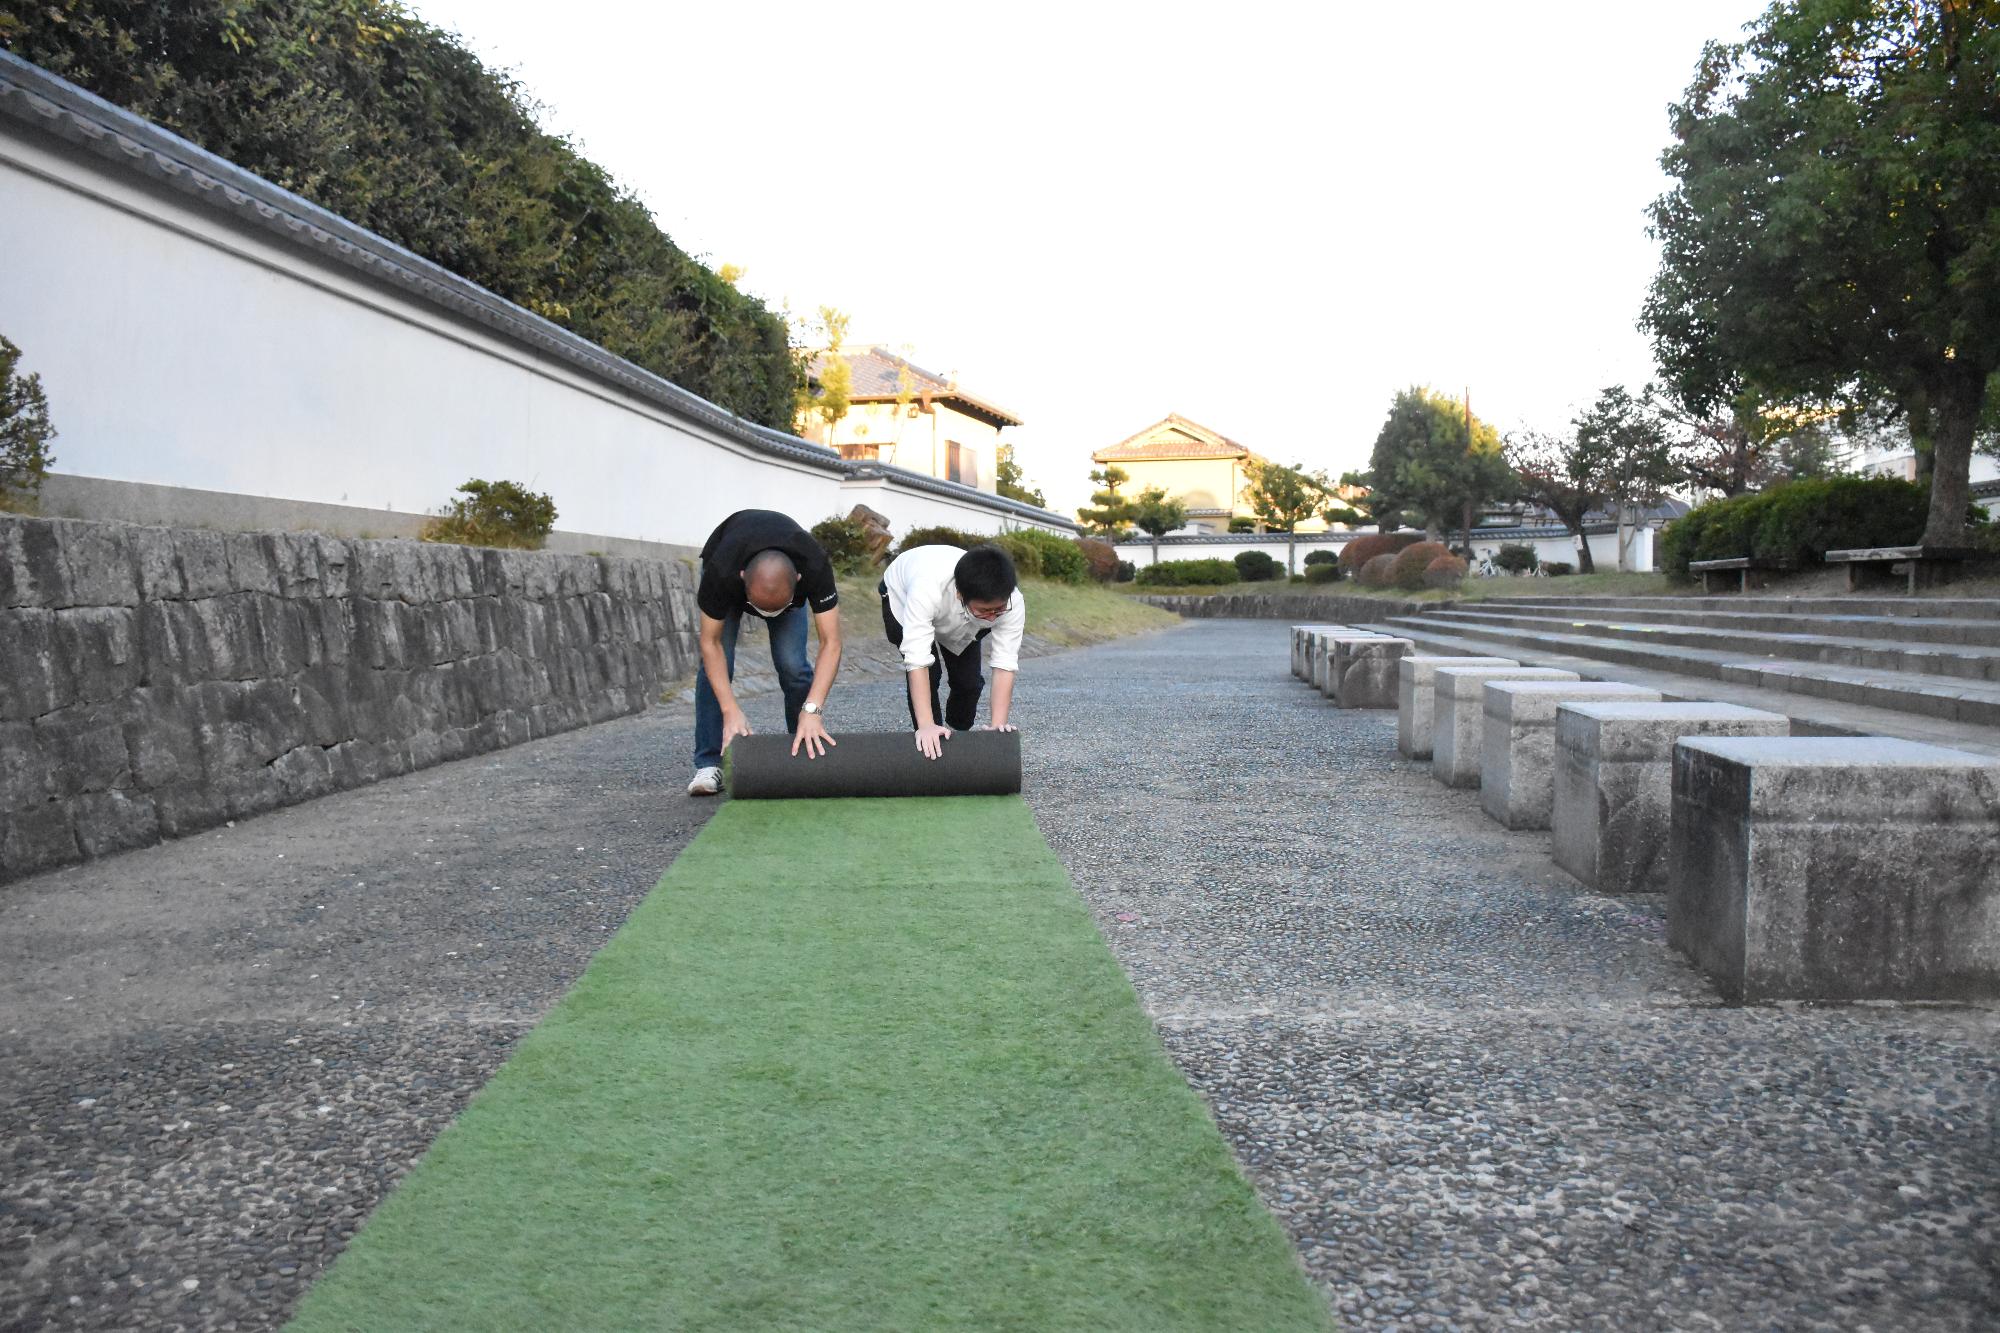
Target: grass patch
837	1071
1067	614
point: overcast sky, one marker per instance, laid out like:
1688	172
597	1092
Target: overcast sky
1268	217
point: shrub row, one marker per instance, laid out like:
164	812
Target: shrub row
1189	573
1797	523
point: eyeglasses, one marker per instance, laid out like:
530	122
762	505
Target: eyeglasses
978	614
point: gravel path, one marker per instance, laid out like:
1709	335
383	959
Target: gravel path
1476	1096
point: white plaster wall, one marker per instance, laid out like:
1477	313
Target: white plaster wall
178	349
1603	549
907	508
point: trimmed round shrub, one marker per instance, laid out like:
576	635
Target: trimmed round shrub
1321	558
1189	573
1100	557
1256	566
1555	569
939	536
1045	554
845	541
1242	525
494	513
1447	571
1411	562
1127	571
1516	557
1325	572
1375	574
1358	551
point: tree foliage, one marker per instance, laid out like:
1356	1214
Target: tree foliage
25	432
1433	461
1619	452
366	110
1157	514
827	395
1110	513
1284	497
494	513
1834	227
1012	482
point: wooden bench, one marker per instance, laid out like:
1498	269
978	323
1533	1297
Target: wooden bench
1920	566
1716	575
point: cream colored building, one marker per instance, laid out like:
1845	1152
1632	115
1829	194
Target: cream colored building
902	414
1203	469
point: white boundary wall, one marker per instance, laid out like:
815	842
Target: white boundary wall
180	347
1559	547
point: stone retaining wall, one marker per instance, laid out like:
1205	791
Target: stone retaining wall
157	681
1333	609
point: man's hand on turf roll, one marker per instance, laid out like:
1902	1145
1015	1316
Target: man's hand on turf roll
812	735
931	738
734	724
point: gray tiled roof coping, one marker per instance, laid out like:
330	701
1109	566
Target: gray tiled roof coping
1279	538
31	96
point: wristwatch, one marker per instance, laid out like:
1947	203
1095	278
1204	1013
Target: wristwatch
809	707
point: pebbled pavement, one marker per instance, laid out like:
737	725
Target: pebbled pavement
1476	1096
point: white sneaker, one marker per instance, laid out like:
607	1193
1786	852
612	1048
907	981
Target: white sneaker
707	782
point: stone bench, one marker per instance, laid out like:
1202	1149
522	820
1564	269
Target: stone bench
1720	575
1363	671
1459	717
1322	642
1416	698
1302	648
1614	784
1836	868
1517	755
1918	566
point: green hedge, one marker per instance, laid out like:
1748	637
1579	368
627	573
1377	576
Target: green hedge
1189	573
1044	554
1256	567
1797	522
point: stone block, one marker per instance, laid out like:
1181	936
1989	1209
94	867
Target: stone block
162	743
204	561
250	791
84	747
281	624
114	821
173	638
1363	671
32	572
1323	642
1416	698
101	649
1614	784
232	637
1836	868
157	564
186	808
1517	752
304	772
1459	718
101	570
40	838
34	675
25	780
252	567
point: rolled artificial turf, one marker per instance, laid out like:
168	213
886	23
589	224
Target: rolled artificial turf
854	1064
877	763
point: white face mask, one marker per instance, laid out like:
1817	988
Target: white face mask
768	615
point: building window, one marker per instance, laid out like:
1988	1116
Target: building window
963	463
861	452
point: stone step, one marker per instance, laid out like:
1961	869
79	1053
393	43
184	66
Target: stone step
1935	608
1939	709
1963	632
1963	662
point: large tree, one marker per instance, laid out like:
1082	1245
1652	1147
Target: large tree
1012	482
1157	514
1434	461
1834	229
1556	473
1284	497
1619	453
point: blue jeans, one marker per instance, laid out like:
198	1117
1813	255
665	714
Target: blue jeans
795	673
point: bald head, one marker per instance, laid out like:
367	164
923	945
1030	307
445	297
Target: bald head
770	580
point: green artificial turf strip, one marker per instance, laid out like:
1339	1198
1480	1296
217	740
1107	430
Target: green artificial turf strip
853	1064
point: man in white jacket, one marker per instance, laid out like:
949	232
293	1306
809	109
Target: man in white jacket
938	603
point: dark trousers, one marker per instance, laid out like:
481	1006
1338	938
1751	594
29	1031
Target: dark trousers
961	669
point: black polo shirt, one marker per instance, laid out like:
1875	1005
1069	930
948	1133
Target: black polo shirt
738	539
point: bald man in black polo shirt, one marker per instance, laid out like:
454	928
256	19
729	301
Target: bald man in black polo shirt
762	562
